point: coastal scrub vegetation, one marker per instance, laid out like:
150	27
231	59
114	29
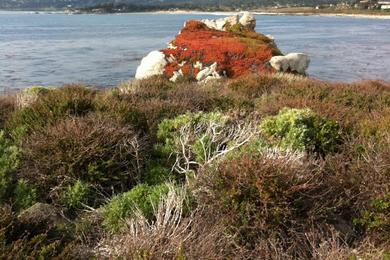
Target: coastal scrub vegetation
257	167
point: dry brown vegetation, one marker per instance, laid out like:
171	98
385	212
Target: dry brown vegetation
252	203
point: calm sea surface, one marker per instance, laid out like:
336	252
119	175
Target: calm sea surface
103	50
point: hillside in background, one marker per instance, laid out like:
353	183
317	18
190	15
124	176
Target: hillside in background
221	4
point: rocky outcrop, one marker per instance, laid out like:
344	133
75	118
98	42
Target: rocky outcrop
248	21
152	64
208	73
292	62
40	217
40	213
225	47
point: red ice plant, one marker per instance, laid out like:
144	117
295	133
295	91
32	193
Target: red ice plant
237	53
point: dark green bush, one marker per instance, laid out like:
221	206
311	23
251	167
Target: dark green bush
376	218
9	162
303	130
156	173
77	195
97	151
24	195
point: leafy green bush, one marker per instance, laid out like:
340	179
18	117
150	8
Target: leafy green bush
24	195
77	195
303	130
376	218
142	197
9	162
156	173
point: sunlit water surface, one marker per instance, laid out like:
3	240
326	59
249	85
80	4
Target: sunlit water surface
103	50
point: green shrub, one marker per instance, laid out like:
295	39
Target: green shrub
77	195
303	130
9	162
24	195
376	218
36	90
156	173
142	197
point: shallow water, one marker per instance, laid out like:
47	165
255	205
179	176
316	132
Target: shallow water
103	50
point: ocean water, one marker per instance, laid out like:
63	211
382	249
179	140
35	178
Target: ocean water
103	50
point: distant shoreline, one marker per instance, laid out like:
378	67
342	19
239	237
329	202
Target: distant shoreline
219	13
372	16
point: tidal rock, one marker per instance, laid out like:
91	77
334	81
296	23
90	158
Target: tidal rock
279	63
298	62
225	47
152	64
292	62
248	21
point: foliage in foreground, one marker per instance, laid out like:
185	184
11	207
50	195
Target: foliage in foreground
142	198
304	130
281	167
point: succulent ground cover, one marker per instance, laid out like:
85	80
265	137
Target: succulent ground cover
237	51
261	166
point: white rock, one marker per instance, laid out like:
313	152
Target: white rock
248	21
176	75
171	46
295	62
298	62
208	73
211	77
198	65
153	64
210	23
232	20
219	24
279	63
171	58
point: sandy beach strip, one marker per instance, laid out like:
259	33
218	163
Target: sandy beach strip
373	16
